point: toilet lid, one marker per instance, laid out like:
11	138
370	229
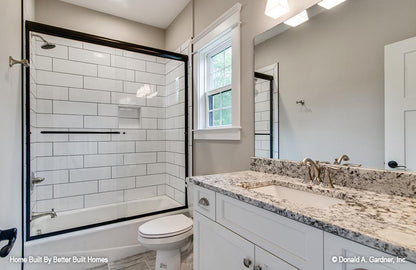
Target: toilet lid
166	226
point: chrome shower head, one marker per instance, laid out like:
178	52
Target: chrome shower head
46	44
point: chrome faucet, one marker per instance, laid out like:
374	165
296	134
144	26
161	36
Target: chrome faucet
339	160
36	215
316	169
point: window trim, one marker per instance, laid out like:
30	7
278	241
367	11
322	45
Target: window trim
226	28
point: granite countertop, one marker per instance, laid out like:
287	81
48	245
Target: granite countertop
381	221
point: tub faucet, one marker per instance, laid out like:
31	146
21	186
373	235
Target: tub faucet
339	160
51	213
316	168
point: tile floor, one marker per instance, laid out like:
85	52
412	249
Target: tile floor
144	261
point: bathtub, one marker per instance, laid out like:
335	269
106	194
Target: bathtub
114	241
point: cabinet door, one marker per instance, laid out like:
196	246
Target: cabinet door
296	243
217	248
267	261
337	248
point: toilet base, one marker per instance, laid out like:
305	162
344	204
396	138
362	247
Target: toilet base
168	259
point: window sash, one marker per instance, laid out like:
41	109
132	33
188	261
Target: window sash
208	64
221	108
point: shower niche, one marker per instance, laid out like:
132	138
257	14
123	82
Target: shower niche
129	117
106	126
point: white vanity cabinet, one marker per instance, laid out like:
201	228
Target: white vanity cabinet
230	234
266	261
233	235
337	248
216	247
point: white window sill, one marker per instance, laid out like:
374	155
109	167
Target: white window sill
220	133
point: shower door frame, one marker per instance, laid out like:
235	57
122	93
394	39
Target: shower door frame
84	37
269	78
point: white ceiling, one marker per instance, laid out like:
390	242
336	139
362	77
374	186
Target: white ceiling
159	13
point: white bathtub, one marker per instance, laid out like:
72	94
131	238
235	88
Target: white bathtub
114	241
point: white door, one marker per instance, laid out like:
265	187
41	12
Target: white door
400	103
10	127
267	261
216	247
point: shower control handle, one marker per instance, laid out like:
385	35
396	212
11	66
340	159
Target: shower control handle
204	201
247	262
23	62
37	180
258	267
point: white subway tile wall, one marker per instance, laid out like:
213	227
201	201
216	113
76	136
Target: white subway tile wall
84	87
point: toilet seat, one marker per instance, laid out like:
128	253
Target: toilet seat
165	227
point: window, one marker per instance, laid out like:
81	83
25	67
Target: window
219	109
217	79
219	94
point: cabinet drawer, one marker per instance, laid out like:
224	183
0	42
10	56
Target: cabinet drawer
204	201
339	247
298	244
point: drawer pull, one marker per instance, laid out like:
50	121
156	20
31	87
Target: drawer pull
247	262
204	202
258	267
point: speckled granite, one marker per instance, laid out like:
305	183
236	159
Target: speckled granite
380	221
398	183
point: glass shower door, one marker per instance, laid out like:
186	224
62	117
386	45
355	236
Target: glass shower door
107	134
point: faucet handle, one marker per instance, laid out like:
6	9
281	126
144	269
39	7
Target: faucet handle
308	175
328	175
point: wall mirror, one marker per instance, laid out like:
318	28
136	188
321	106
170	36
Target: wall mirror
343	83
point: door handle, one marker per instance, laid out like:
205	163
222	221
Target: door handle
10	235
393	164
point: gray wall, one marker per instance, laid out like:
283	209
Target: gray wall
226	156
77	18
335	63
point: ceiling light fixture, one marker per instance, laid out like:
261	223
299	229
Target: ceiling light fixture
276	8
298	19
328	4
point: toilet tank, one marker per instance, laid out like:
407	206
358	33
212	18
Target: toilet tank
190	197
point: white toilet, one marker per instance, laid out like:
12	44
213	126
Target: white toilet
168	236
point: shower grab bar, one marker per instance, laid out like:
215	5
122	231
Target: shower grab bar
81	132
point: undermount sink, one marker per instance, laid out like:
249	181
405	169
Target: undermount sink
301	198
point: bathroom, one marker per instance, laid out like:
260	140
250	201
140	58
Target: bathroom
208	134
